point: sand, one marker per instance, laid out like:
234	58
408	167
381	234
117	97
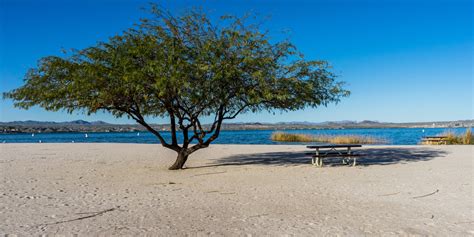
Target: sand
234	190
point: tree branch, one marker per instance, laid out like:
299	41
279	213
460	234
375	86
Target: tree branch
139	118
134	113
218	122
174	140
237	113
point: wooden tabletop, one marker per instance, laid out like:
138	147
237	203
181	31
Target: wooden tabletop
334	146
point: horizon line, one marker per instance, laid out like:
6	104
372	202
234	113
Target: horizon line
328	121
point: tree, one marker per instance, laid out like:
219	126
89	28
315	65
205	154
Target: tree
185	68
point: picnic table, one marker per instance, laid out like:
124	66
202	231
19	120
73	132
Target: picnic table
341	150
434	140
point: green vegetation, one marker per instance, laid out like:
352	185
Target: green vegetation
290	137
455	139
184	68
342	139
468	139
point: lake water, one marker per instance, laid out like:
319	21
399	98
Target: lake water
392	136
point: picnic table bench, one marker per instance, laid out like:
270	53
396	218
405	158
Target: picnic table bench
341	150
434	140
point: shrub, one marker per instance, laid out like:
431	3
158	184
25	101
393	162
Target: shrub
342	139
288	137
454	139
467	138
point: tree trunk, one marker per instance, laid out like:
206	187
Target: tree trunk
180	160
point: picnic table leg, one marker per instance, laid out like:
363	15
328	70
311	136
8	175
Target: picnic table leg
345	159
320	160
315	159
353	157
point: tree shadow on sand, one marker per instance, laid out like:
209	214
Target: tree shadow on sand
370	156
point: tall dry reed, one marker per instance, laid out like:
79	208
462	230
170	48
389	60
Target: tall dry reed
468	139
454	139
342	139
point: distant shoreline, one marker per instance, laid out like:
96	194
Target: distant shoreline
19	127
284	129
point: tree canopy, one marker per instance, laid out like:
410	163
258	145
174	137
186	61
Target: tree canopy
184	68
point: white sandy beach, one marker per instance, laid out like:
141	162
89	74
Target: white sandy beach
126	189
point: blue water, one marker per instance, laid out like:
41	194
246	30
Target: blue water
393	136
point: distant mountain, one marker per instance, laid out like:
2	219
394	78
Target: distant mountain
27	122
76	122
369	122
43	123
298	123
31	126
329	123
317	123
99	123
292	123
342	122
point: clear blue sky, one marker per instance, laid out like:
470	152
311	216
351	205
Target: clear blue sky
403	60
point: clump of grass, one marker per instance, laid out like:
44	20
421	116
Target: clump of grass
454	139
289	137
468	139
342	139
348	139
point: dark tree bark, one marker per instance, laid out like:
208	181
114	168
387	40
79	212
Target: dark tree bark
180	161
